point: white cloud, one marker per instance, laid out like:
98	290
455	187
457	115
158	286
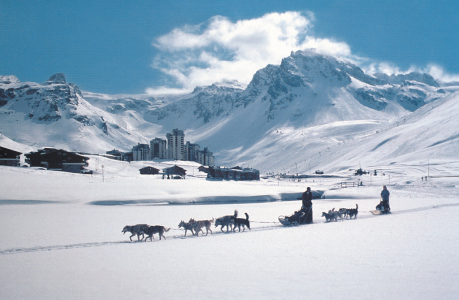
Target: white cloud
434	70
439	73
222	50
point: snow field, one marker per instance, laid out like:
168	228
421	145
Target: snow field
75	250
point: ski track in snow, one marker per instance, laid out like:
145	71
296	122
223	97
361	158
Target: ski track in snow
274	226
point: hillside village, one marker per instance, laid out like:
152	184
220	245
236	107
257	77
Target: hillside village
173	149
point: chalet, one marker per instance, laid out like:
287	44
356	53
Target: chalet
57	160
38	159
9	157
175	170
149	171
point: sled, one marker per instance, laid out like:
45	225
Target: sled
380	209
284	220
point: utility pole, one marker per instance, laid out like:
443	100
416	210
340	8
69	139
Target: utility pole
428	168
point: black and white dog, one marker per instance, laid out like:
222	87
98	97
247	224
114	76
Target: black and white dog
238	222
349	212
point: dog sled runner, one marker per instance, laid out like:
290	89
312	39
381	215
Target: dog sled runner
284	221
379	212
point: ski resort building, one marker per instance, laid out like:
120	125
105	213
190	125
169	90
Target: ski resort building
149	171
57	159
176	145
205	157
173	147
158	148
235	173
192	151
9	157
141	152
115	154
175	171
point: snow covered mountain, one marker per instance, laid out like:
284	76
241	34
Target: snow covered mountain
289	117
299	109
56	114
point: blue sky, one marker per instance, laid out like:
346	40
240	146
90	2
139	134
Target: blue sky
137	46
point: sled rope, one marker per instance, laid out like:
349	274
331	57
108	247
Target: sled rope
264	222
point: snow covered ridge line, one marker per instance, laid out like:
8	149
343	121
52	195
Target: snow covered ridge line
275	226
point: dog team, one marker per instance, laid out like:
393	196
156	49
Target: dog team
341	214
231	222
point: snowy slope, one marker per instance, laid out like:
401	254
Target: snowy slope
427	136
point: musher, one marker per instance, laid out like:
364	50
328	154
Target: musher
384	204
307	206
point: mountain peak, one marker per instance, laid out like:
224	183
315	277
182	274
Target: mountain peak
9	79
58	78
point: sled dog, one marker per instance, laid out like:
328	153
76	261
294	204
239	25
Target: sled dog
150	230
344	212
198	225
327	216
186	226
353	211
238	222
138	230
227	221
336	214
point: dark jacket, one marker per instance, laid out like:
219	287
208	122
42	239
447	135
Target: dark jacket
307	197
385	195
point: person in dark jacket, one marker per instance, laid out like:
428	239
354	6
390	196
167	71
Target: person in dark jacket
384	204
307	206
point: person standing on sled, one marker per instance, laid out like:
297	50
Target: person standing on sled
384	204
306	207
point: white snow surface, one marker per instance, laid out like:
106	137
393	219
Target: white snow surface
61	236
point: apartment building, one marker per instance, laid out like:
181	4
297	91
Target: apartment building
158	148
205	157
176	145
141	152
173	147
192	151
